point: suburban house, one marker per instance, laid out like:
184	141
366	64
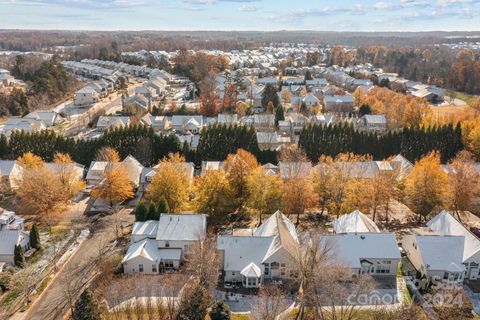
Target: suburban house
226	118
339	103
86	96
272	140
156	246
373	253
354	222
373	122
264	122
270	169
250	256
49	118
96	171
185	124
12	233
10	174
428	92
16	124
211	165
6	80
158	123
295	170
75	171
110	122
148	173
435	256
362	169
445	224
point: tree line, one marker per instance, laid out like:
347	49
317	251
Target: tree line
47	83
412	143
217	141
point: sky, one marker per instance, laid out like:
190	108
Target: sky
267	15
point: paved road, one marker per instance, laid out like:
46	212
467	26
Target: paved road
77	272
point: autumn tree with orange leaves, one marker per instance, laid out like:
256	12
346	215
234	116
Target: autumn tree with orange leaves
426	187
40	191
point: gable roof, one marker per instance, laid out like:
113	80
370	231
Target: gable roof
441	252
354	222
182	227
251	271
148	228
445	224
295	169
7	166
241	251
351	248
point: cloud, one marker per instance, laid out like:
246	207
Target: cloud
446	3
248	8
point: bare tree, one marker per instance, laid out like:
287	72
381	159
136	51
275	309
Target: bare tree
272	301
202	262
328	288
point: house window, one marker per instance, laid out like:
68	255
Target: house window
267	269
167	244
251	282
274	265
282	269
169	264
140	268
154	268
233	273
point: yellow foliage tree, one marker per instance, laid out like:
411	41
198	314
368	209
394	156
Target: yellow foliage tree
30	160
116	185
41	192
464	182
426	187
214	195
238	167
65	170
298	196
264	193
172	182
107	154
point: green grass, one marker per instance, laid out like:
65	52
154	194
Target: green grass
43	285
239	316
57	233
468	98
36	256
10	296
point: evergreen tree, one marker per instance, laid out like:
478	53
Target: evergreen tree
3	146
270	94
19	257
364	109
86	307
194	305
35	237
152	212
279	114
141	211
162	207
220	311
303	108
308	75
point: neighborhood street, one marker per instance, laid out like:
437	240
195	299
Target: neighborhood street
77	272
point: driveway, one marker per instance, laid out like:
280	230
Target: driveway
78	271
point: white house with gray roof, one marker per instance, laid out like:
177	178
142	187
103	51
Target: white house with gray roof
12	233
371	253
249	256
10	174
161	245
